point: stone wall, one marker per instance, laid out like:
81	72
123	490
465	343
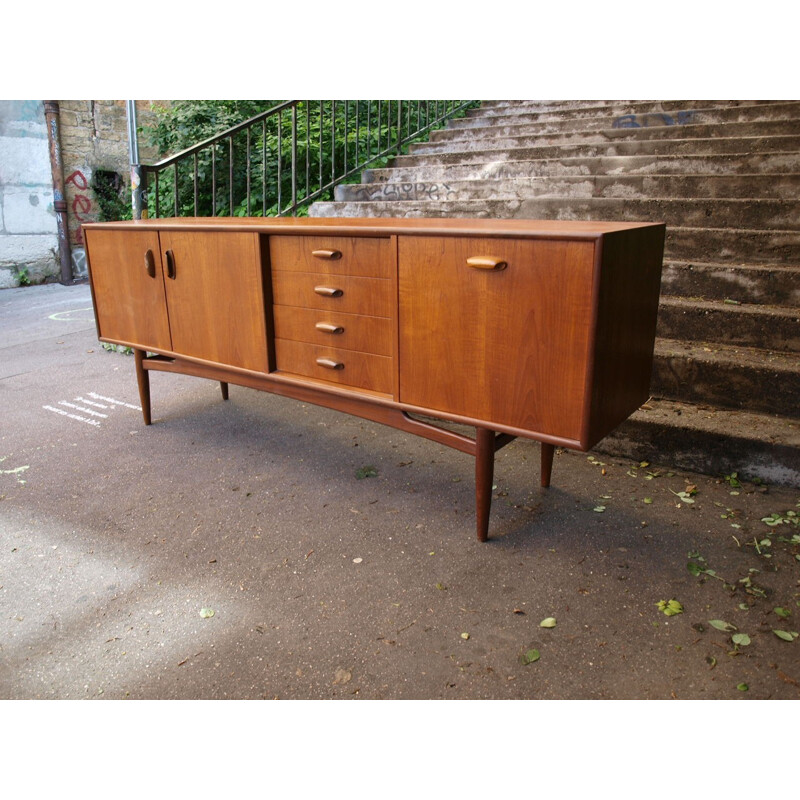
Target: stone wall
94	137
28	229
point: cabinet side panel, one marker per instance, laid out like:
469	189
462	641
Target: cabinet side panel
508	346
628	293
128	291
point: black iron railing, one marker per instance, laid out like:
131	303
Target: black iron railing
280	161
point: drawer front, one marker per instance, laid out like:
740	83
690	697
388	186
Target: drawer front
352	295
345	367
332	255
334	329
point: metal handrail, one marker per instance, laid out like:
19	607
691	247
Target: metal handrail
261	157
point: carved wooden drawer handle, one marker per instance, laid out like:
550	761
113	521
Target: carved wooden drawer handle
330	363
171	265
150	263
330	255
487	262
327	327
328	291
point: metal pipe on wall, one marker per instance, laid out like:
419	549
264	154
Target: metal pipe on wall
59	199
137	173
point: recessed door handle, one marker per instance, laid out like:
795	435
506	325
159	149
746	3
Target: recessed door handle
150	263
170	264
329	363
327	327
487	262
328	291
330	255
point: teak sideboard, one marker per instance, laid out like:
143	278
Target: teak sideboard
539	329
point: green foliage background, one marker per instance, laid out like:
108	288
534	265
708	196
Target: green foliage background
333	137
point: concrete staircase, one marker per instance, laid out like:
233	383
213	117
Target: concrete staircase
724	176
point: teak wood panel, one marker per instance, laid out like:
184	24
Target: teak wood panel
128	291
627	302
359	370
510	346
350	331
216	299
369	257
369	296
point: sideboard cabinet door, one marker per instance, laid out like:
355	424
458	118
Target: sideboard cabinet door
128	287
497	329
215	297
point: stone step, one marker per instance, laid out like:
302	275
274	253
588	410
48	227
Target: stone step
765	327
777	215
711	441
594	118
712	147
619	166
458	141
506	136
683	243
579	109
769	284
641	115
727	377
782	186
726	246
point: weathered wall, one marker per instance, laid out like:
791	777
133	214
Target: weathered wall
28	229
93	136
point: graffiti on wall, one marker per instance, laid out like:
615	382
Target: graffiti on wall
653	120
81	203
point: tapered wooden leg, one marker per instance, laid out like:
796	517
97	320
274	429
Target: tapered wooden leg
143	379
484	475
224	387
547	463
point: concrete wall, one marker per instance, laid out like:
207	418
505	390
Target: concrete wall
28	230
94	136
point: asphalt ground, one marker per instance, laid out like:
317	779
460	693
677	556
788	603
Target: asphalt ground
264	548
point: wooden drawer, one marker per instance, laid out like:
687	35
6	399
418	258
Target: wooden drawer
352	295
359	370
334	329
368	257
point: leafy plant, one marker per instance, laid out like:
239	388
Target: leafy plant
733	480
111	194
250	173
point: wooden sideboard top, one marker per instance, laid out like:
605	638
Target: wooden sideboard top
360	226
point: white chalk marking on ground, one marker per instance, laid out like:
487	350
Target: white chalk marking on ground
113	402
72	416
63	316
89	402
81	408
15	471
